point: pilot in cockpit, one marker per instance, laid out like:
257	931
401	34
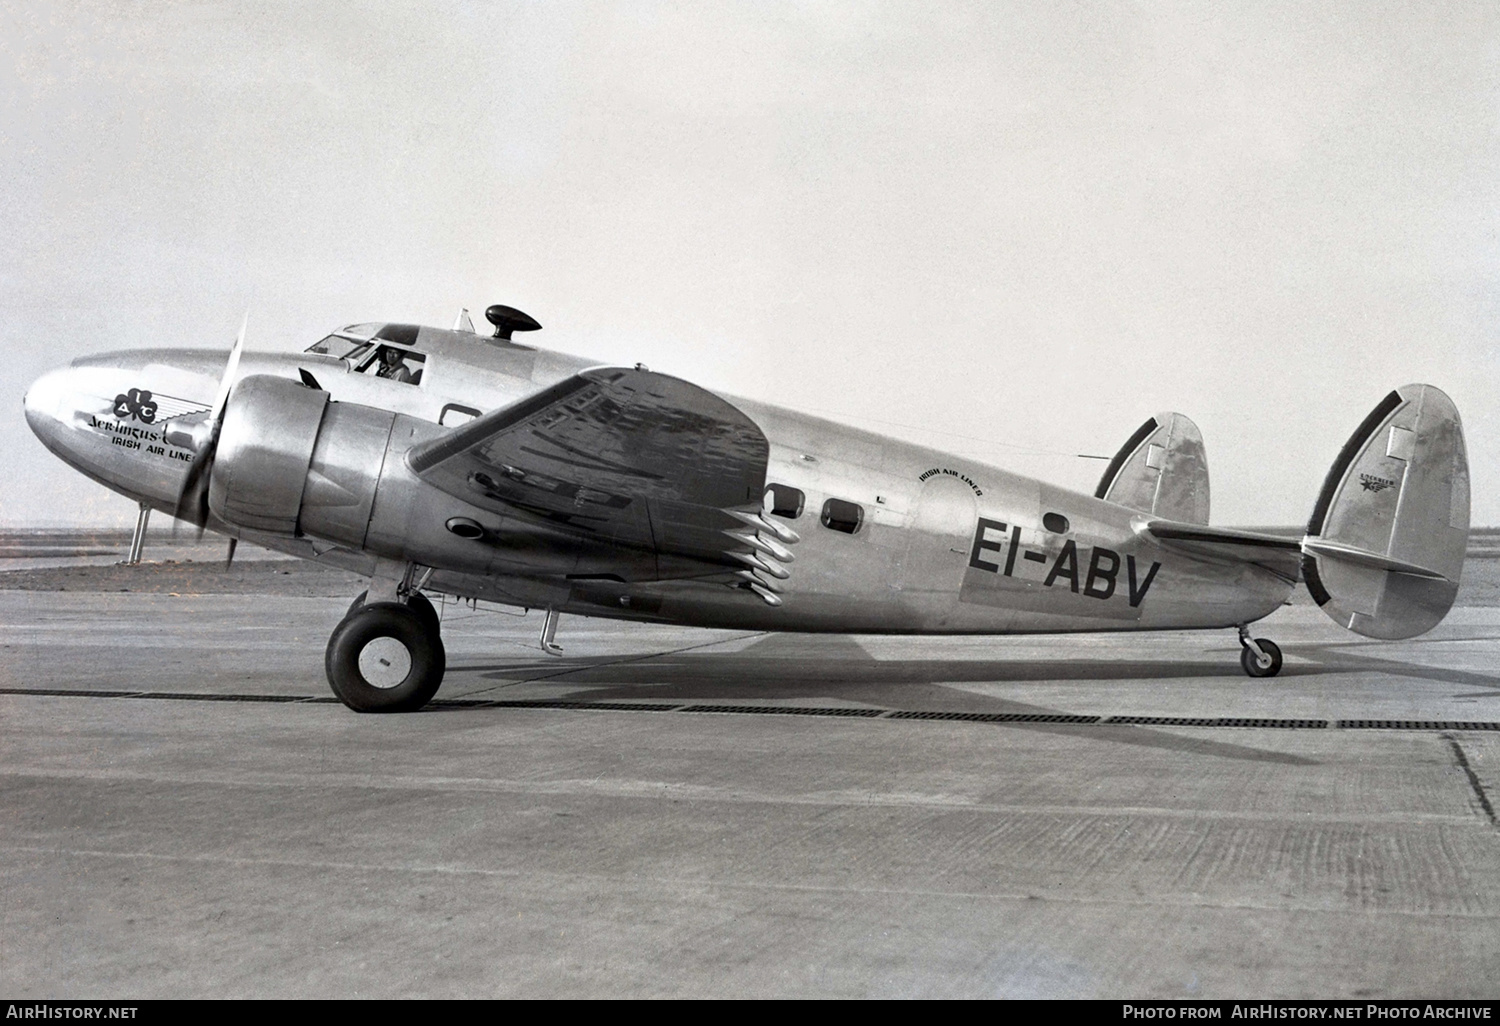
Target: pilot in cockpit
393	366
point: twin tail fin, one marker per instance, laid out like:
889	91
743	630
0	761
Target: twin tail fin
1385	546
1161	470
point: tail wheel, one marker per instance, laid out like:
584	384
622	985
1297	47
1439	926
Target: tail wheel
385	657
1253	666
416	602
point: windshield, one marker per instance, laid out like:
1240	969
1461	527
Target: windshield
337	346
345	342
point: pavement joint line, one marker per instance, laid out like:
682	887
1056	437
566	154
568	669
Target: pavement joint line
1474	783
677	883
468	701
616	789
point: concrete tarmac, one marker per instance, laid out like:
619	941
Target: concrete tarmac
184	811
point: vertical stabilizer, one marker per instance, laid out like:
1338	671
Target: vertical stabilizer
1161	470
1385	546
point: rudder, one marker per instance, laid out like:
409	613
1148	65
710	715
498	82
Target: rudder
1384	549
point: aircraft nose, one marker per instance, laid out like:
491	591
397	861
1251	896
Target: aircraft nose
45	401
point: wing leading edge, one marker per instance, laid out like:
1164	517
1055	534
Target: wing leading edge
629	457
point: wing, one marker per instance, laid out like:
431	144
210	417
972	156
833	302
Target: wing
1275	554
628	457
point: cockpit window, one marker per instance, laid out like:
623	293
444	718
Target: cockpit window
343	341
359	346
394	364
336	346
403	334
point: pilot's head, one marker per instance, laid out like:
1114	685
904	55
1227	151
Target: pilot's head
390	357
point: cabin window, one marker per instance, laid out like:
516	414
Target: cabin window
784	501
1055	522
839	515
455	414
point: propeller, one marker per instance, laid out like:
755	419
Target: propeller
192	501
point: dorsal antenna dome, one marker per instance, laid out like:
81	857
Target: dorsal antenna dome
507	319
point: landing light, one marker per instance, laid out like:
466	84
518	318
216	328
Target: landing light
466	528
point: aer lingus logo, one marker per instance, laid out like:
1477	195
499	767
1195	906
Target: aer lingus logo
154	408
136	403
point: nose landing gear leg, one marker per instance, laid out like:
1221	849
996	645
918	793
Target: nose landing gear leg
1260	657
138	539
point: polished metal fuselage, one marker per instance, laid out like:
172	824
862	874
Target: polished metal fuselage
946	544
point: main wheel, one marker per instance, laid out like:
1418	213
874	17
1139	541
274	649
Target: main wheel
416	602
1253	668
385	658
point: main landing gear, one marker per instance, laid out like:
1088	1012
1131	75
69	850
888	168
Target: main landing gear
1260	657
387	656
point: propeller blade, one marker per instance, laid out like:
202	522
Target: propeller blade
192	501
227	381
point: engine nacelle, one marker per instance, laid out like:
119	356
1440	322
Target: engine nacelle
291	462
266	443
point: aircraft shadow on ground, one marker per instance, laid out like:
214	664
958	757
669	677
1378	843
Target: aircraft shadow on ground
802	668
782	666
1337	658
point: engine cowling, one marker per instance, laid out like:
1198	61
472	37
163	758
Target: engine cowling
289	461
266	443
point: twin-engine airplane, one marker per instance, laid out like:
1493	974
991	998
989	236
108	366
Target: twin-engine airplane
481	468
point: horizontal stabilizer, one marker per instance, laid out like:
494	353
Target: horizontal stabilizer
1162	470
1359	557
1276	555
1385	546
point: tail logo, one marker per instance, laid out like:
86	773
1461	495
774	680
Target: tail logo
1371	483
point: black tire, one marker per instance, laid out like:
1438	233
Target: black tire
1270	648
391	637
417	603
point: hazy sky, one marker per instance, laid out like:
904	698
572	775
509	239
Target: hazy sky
1005	229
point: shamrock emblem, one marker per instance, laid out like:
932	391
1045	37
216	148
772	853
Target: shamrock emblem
136	403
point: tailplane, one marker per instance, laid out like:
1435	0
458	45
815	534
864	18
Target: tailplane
1385	546
1161	470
